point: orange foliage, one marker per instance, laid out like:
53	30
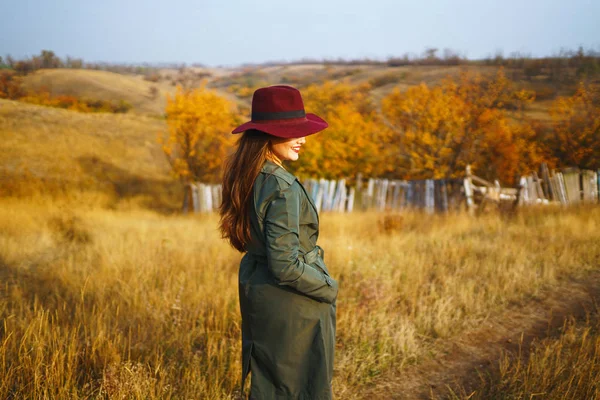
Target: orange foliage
44	98
576	127
438	131
10	85
199	122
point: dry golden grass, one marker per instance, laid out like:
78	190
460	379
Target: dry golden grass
563	368
102	85
132	304
48	141
48	149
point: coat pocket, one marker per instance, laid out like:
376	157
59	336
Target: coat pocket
315	259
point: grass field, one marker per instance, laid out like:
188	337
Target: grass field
134	304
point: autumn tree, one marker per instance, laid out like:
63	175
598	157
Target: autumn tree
199	124
430	139
439	130
47	59
352	143
75	63
576	128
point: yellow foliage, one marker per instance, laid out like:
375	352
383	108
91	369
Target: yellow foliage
353	143
438	131
576	126
199	124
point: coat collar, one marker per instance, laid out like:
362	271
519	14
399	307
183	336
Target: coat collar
271	168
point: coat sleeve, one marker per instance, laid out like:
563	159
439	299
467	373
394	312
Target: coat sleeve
282	224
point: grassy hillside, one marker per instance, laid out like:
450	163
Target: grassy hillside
60	148
102	85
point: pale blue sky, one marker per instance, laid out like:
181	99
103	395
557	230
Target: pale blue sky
232	32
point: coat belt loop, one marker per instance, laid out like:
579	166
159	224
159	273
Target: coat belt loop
312	255
321	252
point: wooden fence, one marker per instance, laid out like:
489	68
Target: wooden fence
330	195
429	195
567	186
200	197
479	193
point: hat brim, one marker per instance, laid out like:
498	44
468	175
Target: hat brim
287	128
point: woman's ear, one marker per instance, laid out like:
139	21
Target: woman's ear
269	152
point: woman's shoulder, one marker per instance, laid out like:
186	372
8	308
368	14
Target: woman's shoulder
276	177
274	183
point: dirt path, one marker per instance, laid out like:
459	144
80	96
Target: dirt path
480	349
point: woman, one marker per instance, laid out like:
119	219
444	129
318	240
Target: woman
287	297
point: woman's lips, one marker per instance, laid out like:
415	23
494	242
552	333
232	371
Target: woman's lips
296	149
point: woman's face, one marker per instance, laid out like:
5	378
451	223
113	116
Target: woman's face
287	149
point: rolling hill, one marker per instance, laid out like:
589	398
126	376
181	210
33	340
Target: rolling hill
102	85
114	153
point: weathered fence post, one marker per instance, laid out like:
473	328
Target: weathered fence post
550	195
469	191
358	198
197	196
339	198
321	194
564	199
589	186
429	196
350	206
370	187
571	179
382	194
441	202
538	188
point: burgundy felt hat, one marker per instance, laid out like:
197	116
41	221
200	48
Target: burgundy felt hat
279	111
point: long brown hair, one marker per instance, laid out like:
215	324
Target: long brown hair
241	169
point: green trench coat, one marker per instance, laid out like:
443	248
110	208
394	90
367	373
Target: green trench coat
287	297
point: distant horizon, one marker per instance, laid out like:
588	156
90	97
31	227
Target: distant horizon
309	60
